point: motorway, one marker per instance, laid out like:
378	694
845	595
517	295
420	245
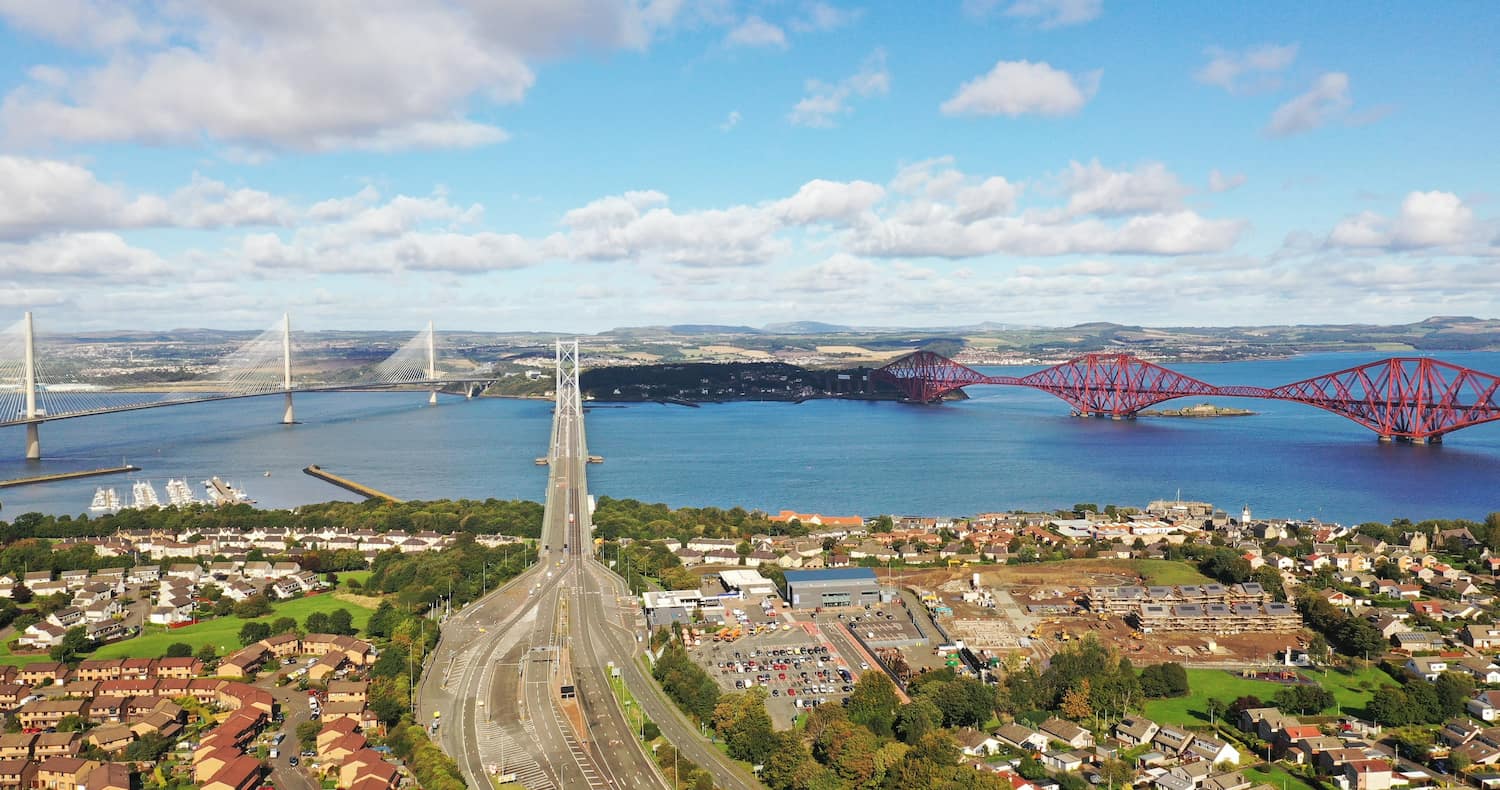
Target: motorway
497	673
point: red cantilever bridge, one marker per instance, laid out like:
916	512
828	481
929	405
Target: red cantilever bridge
1408	398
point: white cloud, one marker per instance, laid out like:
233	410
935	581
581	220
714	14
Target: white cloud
1220	182
637	226
1021	87
825	103
819	17
1225	68
39	196
379	75
1046	13
756	32
1327	99
1095	189
78	23
839	273
730	121
825	201
1178	233
1426	220
92	256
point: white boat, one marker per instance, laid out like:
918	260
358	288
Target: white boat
144	495
105	501
179	493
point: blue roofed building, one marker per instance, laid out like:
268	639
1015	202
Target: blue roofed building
831	587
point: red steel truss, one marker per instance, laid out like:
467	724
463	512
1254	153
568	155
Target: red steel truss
1410	398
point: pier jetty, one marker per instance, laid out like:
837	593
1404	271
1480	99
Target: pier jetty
56	476
347	484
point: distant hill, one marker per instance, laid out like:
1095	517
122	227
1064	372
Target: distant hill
805	328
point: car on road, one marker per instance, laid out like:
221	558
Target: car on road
293	762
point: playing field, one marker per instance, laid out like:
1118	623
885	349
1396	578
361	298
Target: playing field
1351	690
222	632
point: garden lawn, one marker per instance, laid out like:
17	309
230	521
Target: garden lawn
1205	684
223	632
1226	687
1346	686
7	657
1275	777
1169	572
360	576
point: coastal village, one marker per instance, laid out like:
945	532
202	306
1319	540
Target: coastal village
980	599
105	724
1240	603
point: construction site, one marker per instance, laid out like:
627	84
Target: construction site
1029	611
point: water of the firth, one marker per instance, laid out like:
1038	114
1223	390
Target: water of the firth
1005	448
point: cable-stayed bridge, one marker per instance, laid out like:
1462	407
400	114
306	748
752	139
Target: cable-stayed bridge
31	394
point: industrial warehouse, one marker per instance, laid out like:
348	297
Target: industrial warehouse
832	587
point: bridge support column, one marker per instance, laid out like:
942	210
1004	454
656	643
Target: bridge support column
33	432
1386	438
1419	440
289	418
431	364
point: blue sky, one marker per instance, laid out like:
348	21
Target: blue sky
576	165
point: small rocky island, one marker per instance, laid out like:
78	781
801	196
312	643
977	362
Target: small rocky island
1200	410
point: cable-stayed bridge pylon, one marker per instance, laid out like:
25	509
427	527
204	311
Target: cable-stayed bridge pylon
31	393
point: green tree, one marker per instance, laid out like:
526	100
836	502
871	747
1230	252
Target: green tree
307	733
1303	699
72	723
318	623
74	643
283	625
179	650
1453	690
873	703
255	606
916	719
341	622
207	654
253	631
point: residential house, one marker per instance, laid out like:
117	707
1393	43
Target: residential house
1213	750
976	743
1021	737
1066	732
63	773
1136	730
1367	775
1171	740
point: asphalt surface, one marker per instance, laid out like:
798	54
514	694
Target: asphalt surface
496	675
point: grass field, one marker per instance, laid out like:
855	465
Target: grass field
360	576
1206	684
1275	777
1224	686
223	632
1169	572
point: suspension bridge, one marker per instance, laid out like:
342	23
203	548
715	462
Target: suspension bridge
1411	399
30	394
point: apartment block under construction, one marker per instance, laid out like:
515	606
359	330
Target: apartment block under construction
1124	601
1218	618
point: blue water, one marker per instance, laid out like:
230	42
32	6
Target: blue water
1004	448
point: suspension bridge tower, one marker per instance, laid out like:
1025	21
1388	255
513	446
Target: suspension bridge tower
33	430
431	365
290	417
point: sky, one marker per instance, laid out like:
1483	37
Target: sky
577	165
